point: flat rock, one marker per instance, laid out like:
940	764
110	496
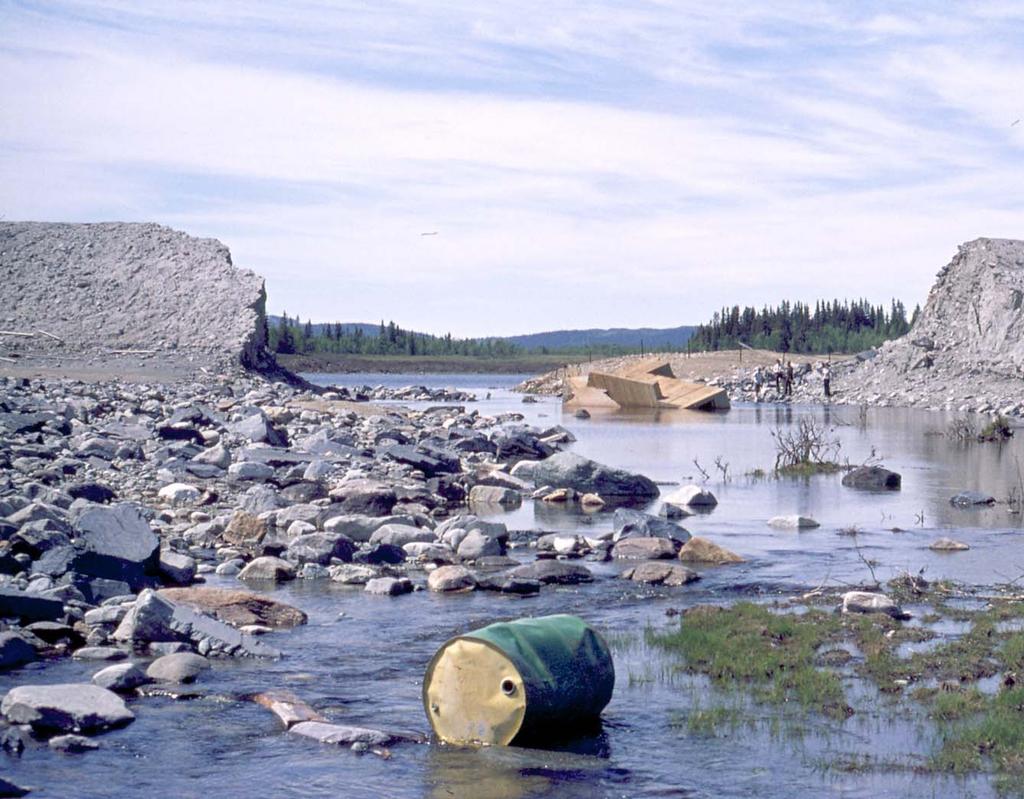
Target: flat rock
645	549
8	788
793	522
288	708
495	495
177	568
340	734
237	608
72	744
28	607
115	543
553	571
628	523
948	545
970	499
659	573
68	707
701	550
179	494
156	618
108	654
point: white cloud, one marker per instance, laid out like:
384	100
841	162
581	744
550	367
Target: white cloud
600	165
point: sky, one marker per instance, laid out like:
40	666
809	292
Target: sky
583	164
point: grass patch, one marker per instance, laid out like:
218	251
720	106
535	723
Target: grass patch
709	721
749	645
995	740
809	469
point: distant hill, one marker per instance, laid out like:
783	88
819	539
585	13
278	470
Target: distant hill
613	339
651	338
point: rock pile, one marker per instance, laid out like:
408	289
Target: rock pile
97	294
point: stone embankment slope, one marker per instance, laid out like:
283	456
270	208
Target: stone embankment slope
118	298
965	352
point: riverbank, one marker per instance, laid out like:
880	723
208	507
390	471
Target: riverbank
400	364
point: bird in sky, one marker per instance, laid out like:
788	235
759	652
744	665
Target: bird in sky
434	233
1014	122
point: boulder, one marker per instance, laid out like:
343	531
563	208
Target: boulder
357	527
177	568
569	470
93	492
179	494
508	584
873	478
116	543
628	523
107	654
249	470
352	574
156	618
244	530
657	573
451	578
701	550
320	548
341	735
398	535
645	549
495	495
218	456
868	602
72	744
258	429
432	461
180	667
367	497
68	707
792	522
120	678
15	651
237	608
692	496
389	586
268	569
478	544
553	571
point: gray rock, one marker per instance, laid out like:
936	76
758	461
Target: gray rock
180	667
868	602
495	495
357	527
352	574
793	522
154	618
692	496
69	707
553	571
478	544
247	470
116	543
569	470
218	456
258	429
176	568
120	678
367	497
658	573
399	535
320	548
628	523
645	549
340	734
451	578
104	653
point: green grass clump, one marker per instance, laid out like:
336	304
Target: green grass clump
749	645
951	705
996	738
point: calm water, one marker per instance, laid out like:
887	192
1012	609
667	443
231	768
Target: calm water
365	667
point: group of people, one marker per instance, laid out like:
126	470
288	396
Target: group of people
784	375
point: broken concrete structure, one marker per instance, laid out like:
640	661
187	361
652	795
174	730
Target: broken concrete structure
647	384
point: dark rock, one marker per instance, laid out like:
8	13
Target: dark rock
569	470
520	444
367	497
72	744
379	554
120	678
176	568
257	428
432	461
645	549
658	573
8	788
180	667
873	478
553	571
179	433
970	499
94	492
28	607
15	651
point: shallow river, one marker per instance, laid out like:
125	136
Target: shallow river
360	659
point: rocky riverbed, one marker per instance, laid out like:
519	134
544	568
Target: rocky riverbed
118	500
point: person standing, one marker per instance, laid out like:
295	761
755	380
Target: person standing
789	378
777	371
758	380
826	380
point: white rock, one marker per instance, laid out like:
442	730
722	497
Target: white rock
178	494
793	522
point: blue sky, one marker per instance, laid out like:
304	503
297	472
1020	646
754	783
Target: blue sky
584	164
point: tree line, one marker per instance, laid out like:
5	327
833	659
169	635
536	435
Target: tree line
795	327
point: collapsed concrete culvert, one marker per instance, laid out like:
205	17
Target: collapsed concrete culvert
122	296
